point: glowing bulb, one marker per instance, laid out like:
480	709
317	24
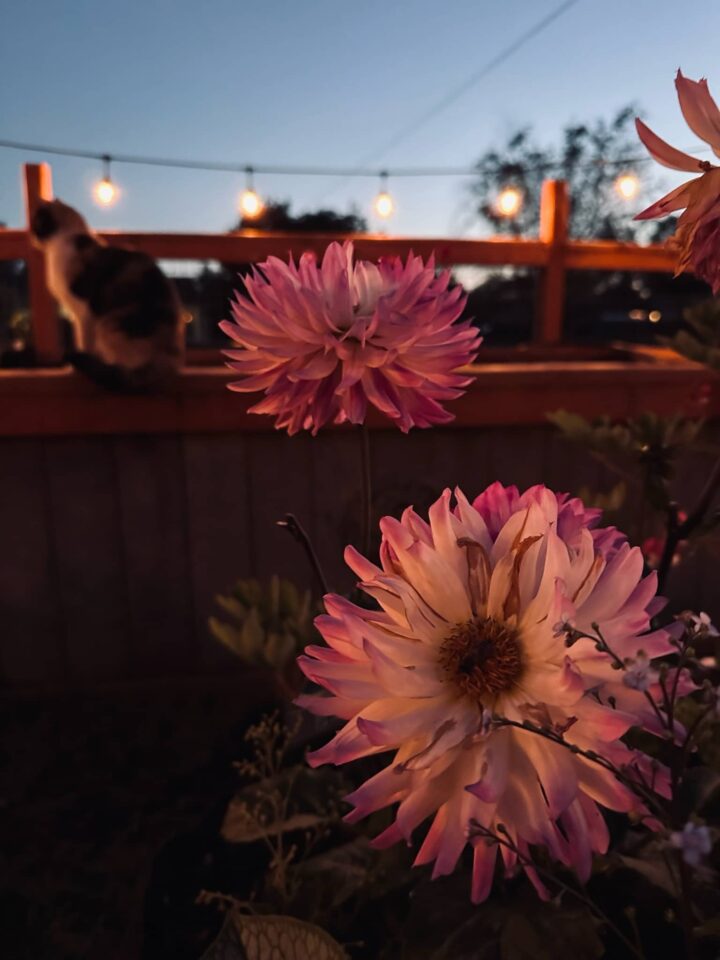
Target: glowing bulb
655	316
106	192
627	185
509	202
251	205
384	206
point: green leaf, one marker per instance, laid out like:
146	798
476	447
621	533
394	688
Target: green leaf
272	938
339	873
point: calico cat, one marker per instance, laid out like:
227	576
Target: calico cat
125	312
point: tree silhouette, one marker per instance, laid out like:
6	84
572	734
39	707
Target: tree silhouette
276	216
589	157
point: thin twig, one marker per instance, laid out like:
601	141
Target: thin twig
294	528
637	787
366	489
526	861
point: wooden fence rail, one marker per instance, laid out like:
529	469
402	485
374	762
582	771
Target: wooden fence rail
553	253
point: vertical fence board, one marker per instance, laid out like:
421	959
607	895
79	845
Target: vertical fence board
92	567
37	178
154	519
554	219
31	626
219	527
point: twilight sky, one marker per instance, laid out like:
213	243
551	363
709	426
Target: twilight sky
320	82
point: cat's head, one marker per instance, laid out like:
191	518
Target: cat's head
53	219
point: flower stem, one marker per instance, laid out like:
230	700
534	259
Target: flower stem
580	895
294	528
366	489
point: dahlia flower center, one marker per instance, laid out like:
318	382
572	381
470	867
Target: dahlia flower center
482	658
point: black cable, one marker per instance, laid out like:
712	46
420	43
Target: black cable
474	78
310	171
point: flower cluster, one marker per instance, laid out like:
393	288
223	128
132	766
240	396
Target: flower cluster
697	237
324	341
496	620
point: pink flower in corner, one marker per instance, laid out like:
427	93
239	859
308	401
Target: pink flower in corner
323	341
697	237
472	628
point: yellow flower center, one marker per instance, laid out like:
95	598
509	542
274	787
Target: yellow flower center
482	658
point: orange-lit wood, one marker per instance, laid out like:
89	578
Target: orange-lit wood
554	217
553	253
13	244
43	312
60	402
252	245
612	255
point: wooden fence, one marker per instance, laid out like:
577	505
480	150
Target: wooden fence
552	252
122	517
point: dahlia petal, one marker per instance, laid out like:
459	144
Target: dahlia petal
699	110
555	771
484	857
418	717
413	681
330	706
676	199
497	754
578	842
663	153
350	743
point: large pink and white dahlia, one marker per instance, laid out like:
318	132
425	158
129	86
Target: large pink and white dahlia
471	628
697	237
323	341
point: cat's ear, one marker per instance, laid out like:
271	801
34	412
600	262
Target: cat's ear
44	223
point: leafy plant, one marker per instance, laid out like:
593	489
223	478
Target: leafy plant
269	626
701	343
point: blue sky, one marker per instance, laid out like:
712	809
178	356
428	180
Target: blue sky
320	82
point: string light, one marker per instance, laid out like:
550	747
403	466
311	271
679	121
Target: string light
627	186
509	202
251	205
383	203
105	191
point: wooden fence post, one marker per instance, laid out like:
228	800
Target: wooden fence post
47	341
554	217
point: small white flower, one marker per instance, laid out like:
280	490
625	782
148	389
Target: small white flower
639	673
694	840
702	626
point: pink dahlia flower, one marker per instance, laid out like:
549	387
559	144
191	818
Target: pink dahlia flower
697	237
322	341
471	630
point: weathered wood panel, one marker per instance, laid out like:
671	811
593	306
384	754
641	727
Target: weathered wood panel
219	532
32	627
154	523
92	566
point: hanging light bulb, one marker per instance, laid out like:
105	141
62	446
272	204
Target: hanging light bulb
383	203
627	186
105	191
509	202
251	205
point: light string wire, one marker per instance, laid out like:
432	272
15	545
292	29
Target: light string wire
310	171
